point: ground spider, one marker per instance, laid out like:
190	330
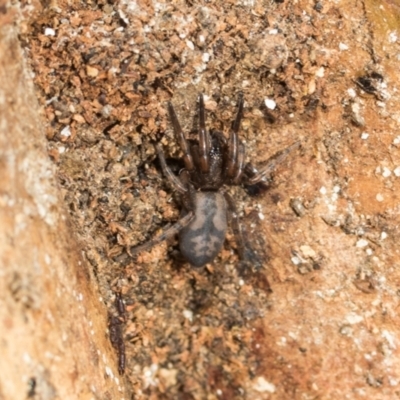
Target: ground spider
210	163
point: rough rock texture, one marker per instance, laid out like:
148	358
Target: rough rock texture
52	325
325	73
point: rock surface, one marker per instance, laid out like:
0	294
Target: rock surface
324	73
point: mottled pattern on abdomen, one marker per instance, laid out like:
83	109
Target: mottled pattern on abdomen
201	240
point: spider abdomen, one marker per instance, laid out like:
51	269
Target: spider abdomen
202	239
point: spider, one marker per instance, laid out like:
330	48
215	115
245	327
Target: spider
210	163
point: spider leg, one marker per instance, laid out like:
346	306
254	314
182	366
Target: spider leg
187	156
176	183
240	165
189	196
254	176
248	257
204	139
236	228
166	234
233	145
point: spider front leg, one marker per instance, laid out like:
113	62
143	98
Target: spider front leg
175	181
204	139
253	176
169	232
187	156
232	168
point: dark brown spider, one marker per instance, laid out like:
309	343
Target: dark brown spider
210	163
